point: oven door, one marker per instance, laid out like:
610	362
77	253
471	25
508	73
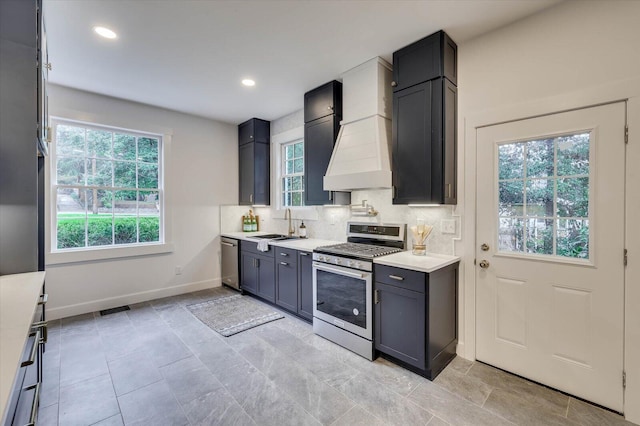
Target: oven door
343	297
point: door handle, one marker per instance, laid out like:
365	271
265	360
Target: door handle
303	253
251	196
376	297
484	264
397	278
284	263
224	243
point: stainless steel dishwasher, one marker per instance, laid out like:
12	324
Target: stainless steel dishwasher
230	262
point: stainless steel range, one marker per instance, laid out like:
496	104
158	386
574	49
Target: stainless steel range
343	284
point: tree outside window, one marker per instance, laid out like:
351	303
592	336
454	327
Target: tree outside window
107	187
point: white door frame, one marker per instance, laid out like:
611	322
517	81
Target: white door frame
611	92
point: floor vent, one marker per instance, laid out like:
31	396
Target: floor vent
115	310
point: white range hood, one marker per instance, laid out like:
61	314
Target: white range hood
361	158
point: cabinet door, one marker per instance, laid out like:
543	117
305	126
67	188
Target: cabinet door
450	141
248	273
287	283
245	132
261	174
246	160
305	285
400	324
319	138
266	278
416	63
412	145
323	101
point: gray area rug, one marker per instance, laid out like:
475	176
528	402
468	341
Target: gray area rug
231	315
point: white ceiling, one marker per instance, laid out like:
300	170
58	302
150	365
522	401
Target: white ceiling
190	56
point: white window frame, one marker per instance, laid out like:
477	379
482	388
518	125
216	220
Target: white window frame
80	254
284	174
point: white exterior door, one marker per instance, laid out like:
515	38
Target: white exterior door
550	242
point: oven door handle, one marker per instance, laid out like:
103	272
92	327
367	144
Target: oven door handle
338	271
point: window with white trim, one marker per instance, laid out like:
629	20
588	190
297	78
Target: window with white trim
292	174
107	187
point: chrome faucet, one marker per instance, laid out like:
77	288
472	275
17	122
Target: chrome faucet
287	215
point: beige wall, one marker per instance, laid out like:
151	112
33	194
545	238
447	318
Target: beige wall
576	54
200	176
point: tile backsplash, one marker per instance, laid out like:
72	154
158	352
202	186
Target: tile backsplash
330	223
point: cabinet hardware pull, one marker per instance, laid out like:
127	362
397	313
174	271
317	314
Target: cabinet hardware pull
224	243
34	349
284	254
44	327
376	297
44	298
48	66
284	263
330	108
33	417
257	263
394	84
251	195
397	278
302	253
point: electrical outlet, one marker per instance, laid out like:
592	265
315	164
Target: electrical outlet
178	270
448	226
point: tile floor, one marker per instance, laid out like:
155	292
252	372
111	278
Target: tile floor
158	365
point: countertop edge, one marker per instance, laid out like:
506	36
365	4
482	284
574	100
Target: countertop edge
402	260
303	244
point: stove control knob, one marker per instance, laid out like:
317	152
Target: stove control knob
357	265
350	263
338	261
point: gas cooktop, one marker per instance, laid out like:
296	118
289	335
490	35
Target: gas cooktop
367	251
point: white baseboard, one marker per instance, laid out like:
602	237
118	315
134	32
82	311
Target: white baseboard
461	352
112	302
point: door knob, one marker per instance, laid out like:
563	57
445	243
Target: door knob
484	264
484	247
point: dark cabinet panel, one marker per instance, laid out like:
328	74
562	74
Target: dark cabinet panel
254	130
400	323
424	143
323	101
248	275
266	278
431	57
254	166
417	328
319	138
305	285
287	279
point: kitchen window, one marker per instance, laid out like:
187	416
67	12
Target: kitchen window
292	175
107	187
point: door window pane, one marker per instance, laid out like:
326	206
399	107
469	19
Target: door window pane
544	195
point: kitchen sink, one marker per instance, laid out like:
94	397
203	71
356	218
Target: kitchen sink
273	237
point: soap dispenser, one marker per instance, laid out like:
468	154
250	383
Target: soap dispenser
302	232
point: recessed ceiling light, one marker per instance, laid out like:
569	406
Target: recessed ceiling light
105	32
248	82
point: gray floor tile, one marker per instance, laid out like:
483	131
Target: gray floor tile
216	408
358	416
189	379
437	421
132	372
452	408
87	402
163	346
78	323
118	342
152	405
111	421
194	334
116	320
81	358
48	416
316	397
590	415
143	314
50	378
470	388
545	398
176	315
460	365
281	339
295	326
263	400
384	403
522	411
164	303
327	368
393	376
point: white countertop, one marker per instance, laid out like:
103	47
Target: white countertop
304	244
19	296
405	259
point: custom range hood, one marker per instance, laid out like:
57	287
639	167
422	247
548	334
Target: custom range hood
361	158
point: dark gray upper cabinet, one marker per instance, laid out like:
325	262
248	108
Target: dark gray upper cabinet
286	278
323	101
320	133
254	162
424	307
305	285
424	123
431	57
254	130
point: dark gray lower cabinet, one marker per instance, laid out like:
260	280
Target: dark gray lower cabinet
257	271
286	278
305	285
416	317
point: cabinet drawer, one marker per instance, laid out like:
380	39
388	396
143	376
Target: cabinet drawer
398	277
252	247
286	255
